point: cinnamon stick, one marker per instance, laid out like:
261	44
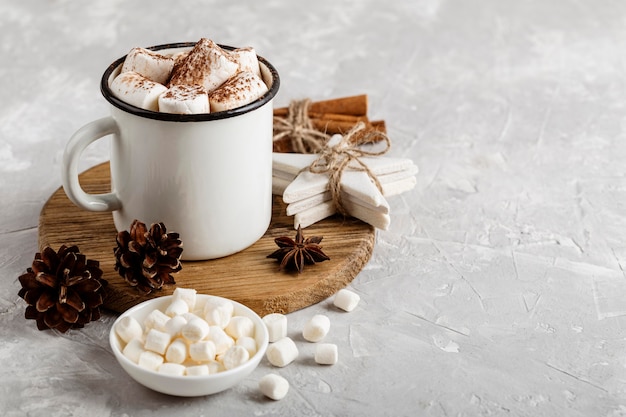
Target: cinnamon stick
353	105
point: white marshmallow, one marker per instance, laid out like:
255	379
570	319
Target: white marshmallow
135	89
206	64
247	60
240	326
346	300
274	386
196	329
171	369
316	328
243	88
177	351
218	312
157	341
188	295
184	99
282	352
276	324
235	356
215	367
326	354
190	316
175	325
222	341
128	328
197	370
202	351
150	64
249	343
133	350
150	360
177	308
155	320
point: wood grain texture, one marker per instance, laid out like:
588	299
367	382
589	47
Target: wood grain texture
248	277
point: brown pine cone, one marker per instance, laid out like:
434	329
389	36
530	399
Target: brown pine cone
63	289
147	259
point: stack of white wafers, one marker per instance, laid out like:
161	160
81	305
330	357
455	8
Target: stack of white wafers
308	195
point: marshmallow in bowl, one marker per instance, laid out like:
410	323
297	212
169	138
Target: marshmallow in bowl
186	344
137	90
206	64
184	99
243	88
128	329
218	312
150	64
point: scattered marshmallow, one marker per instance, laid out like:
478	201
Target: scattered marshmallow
218	312
197	370
248	343
157	341
184	99
276	324
274	386
240	326
243	88
150	360
177	351
222	341
235	356
128	328
206	64
137	90
326	354
150	64
346	300
196	329
202	351
171	369
133	350
316	328
177	308
282	352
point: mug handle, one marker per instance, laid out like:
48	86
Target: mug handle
73	150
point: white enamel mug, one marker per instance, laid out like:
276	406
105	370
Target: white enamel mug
207	177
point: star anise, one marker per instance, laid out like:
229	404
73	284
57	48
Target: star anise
294	254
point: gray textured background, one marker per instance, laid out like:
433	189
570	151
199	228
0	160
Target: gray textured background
499	288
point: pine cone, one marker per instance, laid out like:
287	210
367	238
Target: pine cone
146	259
63	289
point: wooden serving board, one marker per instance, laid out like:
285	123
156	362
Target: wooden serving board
248	277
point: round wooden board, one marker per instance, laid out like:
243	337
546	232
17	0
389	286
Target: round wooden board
248	277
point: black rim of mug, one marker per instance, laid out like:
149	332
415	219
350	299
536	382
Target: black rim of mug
171	117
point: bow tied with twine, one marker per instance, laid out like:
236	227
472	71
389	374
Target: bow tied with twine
335	157
297	126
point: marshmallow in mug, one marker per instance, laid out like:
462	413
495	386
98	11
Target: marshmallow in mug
205	79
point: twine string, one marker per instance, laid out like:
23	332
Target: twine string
334	160
297	126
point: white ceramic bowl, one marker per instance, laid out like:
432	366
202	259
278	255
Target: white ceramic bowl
189	386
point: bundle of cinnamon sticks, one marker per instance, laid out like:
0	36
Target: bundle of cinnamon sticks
333	116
